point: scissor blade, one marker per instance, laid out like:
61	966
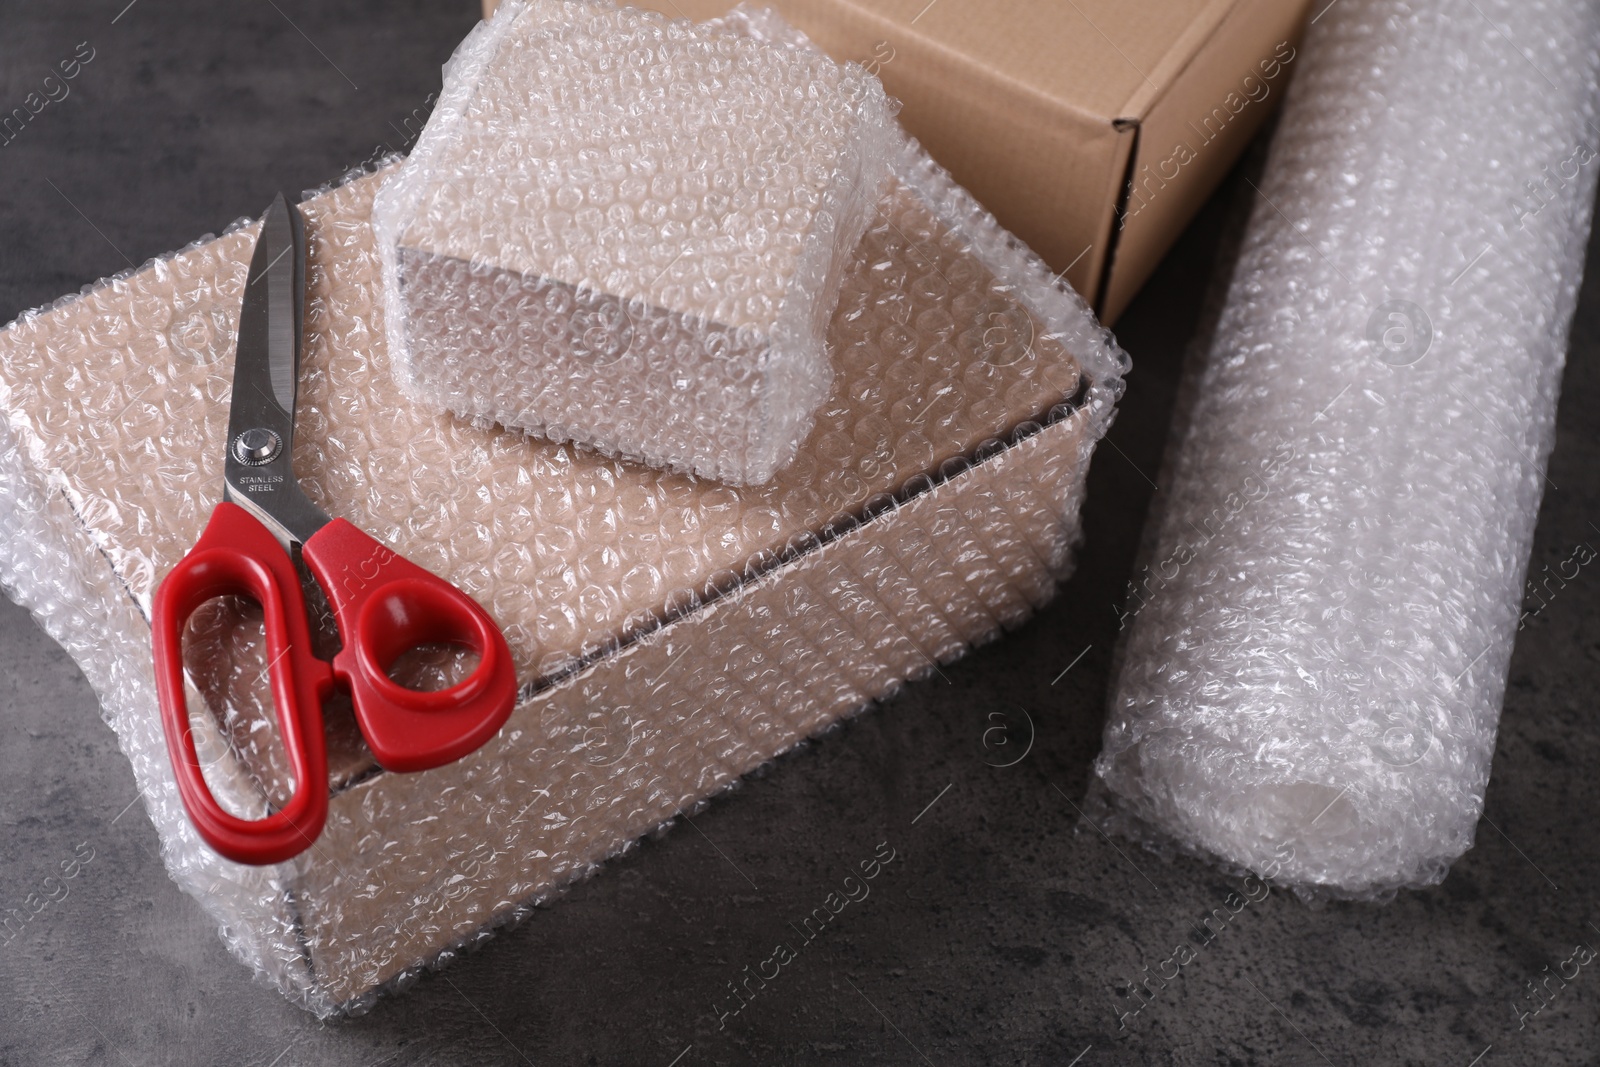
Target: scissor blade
258	472
270	320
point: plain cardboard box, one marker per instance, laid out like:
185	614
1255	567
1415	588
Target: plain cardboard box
1093	129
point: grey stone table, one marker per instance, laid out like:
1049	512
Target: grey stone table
1004	932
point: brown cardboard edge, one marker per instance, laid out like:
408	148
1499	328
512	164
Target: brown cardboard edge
1186	48
1138	249
1112	230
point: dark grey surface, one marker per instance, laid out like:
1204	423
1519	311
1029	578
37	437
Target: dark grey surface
1002	933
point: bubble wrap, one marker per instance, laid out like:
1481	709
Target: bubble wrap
671	634
1319	641
629	232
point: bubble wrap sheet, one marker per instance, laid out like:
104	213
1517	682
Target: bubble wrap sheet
671	634
1319	641
629	231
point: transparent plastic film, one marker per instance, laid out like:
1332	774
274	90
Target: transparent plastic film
1317	647
629	232
669	633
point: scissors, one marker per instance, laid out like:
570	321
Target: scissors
258	537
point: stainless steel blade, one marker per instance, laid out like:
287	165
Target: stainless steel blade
258	473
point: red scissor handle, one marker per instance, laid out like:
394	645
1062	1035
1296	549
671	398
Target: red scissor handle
236	555
386	605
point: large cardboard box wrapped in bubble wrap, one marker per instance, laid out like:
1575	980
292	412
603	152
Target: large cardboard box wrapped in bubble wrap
670	634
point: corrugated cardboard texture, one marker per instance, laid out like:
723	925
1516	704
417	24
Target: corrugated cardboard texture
1044	111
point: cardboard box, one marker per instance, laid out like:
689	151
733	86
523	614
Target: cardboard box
681	301
1092	129
670	634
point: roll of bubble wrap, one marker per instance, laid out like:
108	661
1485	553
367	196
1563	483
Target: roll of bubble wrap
670	633
629	232
1319	642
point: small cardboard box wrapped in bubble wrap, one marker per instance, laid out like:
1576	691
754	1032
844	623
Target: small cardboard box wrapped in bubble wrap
629	231
670	634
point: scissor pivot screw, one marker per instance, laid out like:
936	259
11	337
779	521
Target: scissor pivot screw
256	446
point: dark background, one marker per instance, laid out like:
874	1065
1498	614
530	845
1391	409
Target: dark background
1004	932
